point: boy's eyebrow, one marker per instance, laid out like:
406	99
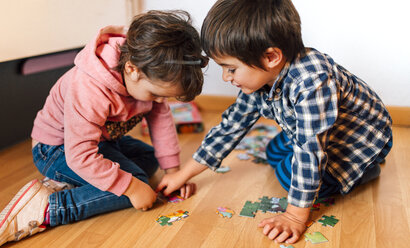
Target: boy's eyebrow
223	64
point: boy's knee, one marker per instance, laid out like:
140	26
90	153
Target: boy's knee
372	172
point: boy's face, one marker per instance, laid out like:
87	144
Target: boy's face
248	79
143	89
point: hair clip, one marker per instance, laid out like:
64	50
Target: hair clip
184	62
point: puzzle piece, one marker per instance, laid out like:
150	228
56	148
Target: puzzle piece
315	238
168	219
225	212
284	246
249	209
328	221
280	206
243	156
309	223
175	198
223	169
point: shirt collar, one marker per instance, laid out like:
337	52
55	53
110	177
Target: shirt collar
276	88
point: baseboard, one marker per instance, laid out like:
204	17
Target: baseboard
400	115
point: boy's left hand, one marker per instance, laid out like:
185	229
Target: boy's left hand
286	227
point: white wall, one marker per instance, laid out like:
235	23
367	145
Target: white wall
370	38
30	28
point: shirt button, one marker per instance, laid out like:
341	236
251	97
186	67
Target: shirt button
277	90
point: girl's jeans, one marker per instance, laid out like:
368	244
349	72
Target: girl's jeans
85	200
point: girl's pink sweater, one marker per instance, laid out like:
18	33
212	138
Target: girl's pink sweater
89	96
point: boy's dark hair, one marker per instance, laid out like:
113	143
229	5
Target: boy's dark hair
244	29
160	43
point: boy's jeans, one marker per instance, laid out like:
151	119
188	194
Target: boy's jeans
85	200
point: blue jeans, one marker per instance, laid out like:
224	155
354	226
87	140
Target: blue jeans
279	152
85	200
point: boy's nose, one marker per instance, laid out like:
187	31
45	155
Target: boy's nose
226	77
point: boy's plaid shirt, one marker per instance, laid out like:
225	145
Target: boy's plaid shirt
333	119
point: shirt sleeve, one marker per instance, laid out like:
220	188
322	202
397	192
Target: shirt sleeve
83	118
164	135
316	110
222	139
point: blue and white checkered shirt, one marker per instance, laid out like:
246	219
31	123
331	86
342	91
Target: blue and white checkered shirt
333	119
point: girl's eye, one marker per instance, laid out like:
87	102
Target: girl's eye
231	70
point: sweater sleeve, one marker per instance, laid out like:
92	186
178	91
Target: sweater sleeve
163	135
85	111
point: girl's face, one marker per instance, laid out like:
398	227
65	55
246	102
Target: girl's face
143	89
248	79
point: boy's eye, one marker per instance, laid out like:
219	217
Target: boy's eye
231	70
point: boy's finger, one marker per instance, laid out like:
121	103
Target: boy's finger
283	236
160	187
293	239
182	192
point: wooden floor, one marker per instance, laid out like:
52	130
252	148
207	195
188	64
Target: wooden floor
374	215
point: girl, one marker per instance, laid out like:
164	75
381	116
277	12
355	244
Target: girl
78	136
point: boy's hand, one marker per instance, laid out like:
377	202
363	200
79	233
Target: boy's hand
140	194
286	227
185	190
172	182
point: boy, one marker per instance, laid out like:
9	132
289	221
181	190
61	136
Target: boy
335	129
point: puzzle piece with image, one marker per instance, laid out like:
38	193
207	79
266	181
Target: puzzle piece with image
328	221
168	219
315	238
249	209
225	212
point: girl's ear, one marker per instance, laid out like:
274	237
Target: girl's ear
132	71
272	57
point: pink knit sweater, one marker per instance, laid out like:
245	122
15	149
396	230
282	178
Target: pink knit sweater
86	105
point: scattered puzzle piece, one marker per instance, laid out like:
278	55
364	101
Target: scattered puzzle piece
223	169
315	238
328	221
175	198
309	223
249	209
284	246
225	212
243	156
168	219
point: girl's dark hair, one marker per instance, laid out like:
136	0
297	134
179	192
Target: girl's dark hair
245	29
159	43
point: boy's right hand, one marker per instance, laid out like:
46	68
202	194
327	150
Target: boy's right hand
140	194
171	182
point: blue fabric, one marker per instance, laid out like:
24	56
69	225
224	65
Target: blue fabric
333	119
279	155
85	200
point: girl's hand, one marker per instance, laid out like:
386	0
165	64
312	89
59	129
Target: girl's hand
140	194
286	227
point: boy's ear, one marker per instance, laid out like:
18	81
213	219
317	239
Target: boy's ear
132	71
273	56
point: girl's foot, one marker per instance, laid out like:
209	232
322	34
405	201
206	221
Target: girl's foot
24	214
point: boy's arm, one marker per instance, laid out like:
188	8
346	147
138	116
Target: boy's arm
174	181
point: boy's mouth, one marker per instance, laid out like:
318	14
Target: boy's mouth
235	84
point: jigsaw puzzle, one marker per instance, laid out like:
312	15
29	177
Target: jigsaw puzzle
266	204
225	212
223	169
175	198
328	221
170	218
315	238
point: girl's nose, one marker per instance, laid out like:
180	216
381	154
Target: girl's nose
159	99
